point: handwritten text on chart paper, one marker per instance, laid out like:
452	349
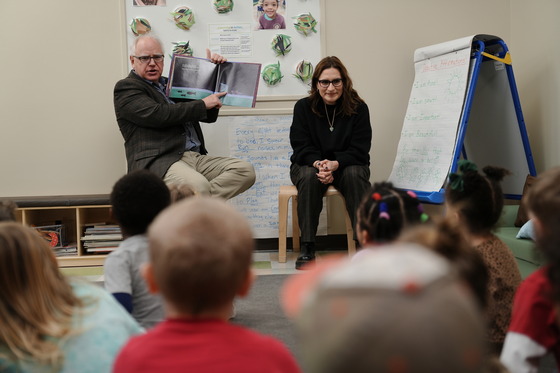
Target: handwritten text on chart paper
430	124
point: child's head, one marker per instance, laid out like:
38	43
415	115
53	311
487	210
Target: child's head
180	191
7	210
136	200
200	253
401	308
36	301
445	238
270	7
476	198
385	211
543	203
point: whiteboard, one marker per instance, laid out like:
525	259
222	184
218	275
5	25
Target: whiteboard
264	142
241	24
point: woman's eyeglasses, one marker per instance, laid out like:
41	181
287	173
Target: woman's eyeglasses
334	82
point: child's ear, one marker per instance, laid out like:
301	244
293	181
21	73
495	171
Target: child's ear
537	225
148	273
363	236
247	283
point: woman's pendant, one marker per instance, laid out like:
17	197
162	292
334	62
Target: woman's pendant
332	129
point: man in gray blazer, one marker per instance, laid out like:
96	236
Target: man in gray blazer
164	136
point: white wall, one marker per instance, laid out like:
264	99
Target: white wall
536	59
60	60
59	63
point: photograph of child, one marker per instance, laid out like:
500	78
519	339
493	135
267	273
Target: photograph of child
268	15
148	2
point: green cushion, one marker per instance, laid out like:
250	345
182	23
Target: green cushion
509	214
528	258
526	268
521	248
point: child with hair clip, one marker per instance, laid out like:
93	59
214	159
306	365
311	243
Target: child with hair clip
534	331
474	201
384	212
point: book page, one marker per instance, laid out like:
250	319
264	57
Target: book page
191	78
241	81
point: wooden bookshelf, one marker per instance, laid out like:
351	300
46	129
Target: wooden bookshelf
74	219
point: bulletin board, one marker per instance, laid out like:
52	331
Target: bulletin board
235	35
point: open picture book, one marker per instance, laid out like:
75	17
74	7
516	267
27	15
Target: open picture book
195	78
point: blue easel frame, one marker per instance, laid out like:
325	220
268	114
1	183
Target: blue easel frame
481	52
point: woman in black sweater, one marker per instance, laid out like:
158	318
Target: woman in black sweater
331	139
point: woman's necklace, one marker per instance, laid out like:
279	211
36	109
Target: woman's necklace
331	124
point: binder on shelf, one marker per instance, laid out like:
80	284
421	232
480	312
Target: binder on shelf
463	104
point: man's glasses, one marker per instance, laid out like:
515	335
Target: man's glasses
334	82
145	59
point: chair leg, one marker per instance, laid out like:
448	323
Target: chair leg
283	200
295	225
350	235
349	230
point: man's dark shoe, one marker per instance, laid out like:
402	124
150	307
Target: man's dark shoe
306	256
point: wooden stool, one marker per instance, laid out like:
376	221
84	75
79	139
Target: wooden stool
290	191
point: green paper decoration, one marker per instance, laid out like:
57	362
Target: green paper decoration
281	44
140	26
271	74
223	6
183	17
182	47
304	71
305	23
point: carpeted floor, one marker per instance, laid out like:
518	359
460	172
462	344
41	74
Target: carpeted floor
261	311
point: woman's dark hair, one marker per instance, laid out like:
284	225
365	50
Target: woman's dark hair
478	198
349	100
385	211
543	201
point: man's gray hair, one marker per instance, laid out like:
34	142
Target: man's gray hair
144	36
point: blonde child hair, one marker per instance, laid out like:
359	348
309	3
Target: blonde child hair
36	300
201	253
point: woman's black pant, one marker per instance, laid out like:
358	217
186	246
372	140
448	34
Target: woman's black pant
352	182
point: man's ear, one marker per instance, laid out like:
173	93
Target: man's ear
243	291
148	274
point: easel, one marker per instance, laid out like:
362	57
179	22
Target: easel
486	133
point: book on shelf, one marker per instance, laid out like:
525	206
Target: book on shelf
196	78
100	250
71	250
91	244
101	238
